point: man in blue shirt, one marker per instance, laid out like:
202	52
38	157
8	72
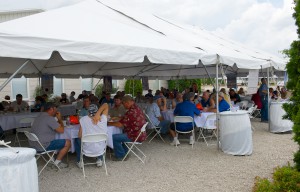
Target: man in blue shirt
223	105
155	116
263	94
205	101
186	108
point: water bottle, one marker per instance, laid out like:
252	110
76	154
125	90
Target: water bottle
68	121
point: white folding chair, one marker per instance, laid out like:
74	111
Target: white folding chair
25	125
155	129
256	112
208	126
44	152
93	138
251	111
184	119
133	145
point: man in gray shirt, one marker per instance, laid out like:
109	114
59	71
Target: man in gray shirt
45	127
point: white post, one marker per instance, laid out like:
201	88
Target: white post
217	99
13	75
268	98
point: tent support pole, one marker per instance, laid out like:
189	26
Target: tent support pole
13	75
208	73
217	100
268	98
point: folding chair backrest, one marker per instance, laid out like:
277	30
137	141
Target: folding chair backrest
149	121
93	138
243	104
211	117
27	120
251	110
183	119
250	105
31	136
143	129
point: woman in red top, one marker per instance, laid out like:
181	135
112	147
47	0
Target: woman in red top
256	99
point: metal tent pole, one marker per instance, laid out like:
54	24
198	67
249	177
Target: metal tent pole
217	99
13	75
268	98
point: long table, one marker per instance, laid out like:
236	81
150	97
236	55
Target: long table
11	120
71	132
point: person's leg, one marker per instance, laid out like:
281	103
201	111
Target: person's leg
164	126
77	148
63	145
118	140
264	110
172	130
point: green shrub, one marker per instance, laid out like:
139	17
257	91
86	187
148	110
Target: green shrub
131	84
285	178
181	84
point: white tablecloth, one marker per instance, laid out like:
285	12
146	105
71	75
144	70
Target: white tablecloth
235	133
11	120
18	170
277	124
200	120
66	110
168	115
71	132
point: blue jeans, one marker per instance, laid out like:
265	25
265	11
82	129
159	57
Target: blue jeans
56	144
78	149
120	148
164	126
264	109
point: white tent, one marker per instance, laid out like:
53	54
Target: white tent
92	39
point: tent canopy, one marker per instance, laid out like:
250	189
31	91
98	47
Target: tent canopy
92	39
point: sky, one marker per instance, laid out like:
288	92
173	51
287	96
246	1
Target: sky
267	25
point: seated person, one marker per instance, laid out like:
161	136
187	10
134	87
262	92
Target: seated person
223	105
88	127
45	128
226	97
64	100
149	94
162	103
39	105
241	92
19	105
131	123
139	98
86	104
205	101
107	100
6	103
1	107
186	108
154	114
234	96
72	98
117	111
284	93
177	100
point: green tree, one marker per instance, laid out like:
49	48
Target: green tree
131	84
293	70
181	84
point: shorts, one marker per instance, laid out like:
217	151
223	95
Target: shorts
56	144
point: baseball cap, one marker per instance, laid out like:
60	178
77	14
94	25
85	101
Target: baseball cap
92	109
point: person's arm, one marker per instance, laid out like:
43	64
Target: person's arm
61	128
80	132
102	110
116	124
164	107
173	104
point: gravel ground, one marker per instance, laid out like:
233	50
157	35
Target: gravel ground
168	168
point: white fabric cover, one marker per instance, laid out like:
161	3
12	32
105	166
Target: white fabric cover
11	120
90	38
235	138
200	120
18	170
71	132
277	124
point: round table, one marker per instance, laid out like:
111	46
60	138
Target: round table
235	133
18	170
277	124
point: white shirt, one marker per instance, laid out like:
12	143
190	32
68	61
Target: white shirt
20	107
88	127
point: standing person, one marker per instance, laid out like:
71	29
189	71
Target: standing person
263	94
45	127
131	123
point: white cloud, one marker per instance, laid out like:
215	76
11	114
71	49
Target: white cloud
264	26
